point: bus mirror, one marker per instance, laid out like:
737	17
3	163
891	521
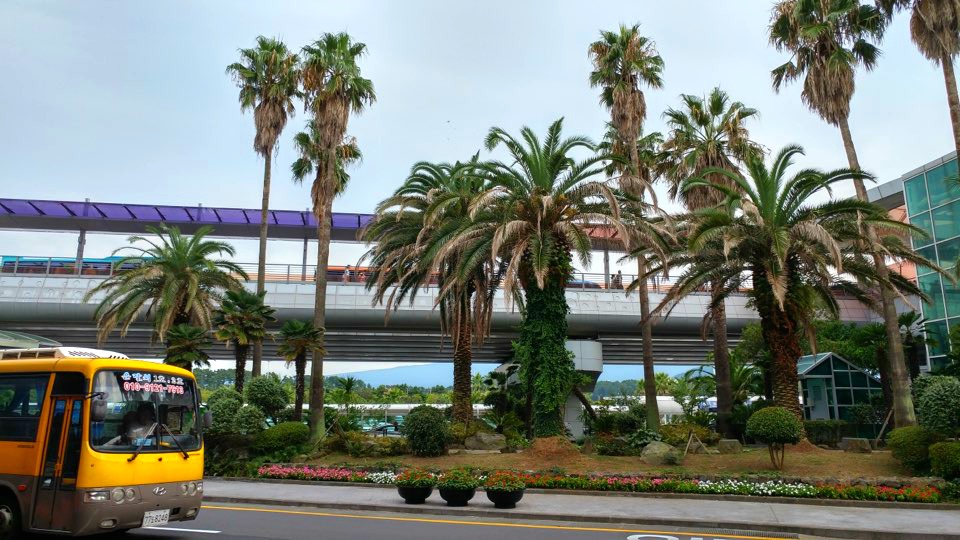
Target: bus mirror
207	419
98	410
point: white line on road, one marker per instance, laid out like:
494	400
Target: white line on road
183	530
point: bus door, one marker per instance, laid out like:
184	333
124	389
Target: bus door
54	505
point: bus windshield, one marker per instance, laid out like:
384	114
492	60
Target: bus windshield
152	412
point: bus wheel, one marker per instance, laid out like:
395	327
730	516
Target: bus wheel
9	518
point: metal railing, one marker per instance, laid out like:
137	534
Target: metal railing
292	273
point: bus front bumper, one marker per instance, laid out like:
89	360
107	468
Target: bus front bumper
106	516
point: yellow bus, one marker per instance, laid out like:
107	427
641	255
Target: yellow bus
92	441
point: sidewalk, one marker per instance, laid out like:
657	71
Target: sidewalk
813	520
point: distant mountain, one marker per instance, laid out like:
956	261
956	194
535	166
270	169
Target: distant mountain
425	375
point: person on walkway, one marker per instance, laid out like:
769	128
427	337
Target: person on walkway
618	280
346	275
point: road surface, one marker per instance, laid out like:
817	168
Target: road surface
235	521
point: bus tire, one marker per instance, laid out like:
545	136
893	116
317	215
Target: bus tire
11	527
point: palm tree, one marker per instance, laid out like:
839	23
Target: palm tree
622	61
796	252
333	88
241	321
185	345
412	232
534	217
175	277
297	338
344	392
828	40
268	76
709	133
935	29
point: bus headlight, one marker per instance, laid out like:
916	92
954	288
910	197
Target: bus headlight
199	487
100	495
183	489
192	489
130	494
117	495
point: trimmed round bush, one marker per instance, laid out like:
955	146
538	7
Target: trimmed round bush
267	394
909	445
281	437
426	431
939	406
775	426
945	459
224	411
249	420
224	392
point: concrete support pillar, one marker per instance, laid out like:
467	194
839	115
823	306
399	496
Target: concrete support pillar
81	242
303	267
606	267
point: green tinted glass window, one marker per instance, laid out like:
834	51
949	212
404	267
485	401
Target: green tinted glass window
946	220
858	380
940	183
937	338
949	251
930	285
951	296
930	253
925	222
842	378
916	193
844	396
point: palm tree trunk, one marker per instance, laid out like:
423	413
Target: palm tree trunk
883	366
587	406
903	412
721	366
781	337
462	359
953	100
240	354
301	367
646	333
262	257
323	213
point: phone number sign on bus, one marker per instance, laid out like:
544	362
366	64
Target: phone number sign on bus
149	382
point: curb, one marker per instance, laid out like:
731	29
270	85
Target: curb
846	503
855	534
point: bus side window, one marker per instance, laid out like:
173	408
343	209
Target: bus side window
71	452
21	400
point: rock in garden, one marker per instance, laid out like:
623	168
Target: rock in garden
855	445
660	453
485	441
729	446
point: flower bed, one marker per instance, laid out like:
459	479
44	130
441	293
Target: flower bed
638	484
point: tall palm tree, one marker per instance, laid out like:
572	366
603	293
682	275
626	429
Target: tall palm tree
185	344
412	231
796	253
334	88
534	217
709	133
269	79
622	61
935	29
828	41
297	339
175	277
241	322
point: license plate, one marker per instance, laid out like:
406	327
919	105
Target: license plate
154	518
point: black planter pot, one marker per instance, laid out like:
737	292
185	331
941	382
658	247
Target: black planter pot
414	495
505	499
457	497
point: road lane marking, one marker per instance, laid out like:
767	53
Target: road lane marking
205	531
483	523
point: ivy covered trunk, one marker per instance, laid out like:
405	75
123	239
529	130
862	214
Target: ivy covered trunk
301	367
462	360
546	366
240	354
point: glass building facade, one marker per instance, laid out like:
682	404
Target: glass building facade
932	197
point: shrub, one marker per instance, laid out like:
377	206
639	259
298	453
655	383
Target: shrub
416	478
358	444
224	392
776	427
939	406
458	479
504	481
945	459
224	411
249	420
426	431
459	432
677	434
920	384
282	436
909	445
608	445
619	422
348	419
268	394
828	432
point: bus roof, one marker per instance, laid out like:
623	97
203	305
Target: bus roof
77	359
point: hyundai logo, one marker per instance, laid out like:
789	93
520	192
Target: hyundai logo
159	490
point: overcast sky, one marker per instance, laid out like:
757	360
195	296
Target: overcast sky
128	101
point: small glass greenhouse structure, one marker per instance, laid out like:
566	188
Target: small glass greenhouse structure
831	385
